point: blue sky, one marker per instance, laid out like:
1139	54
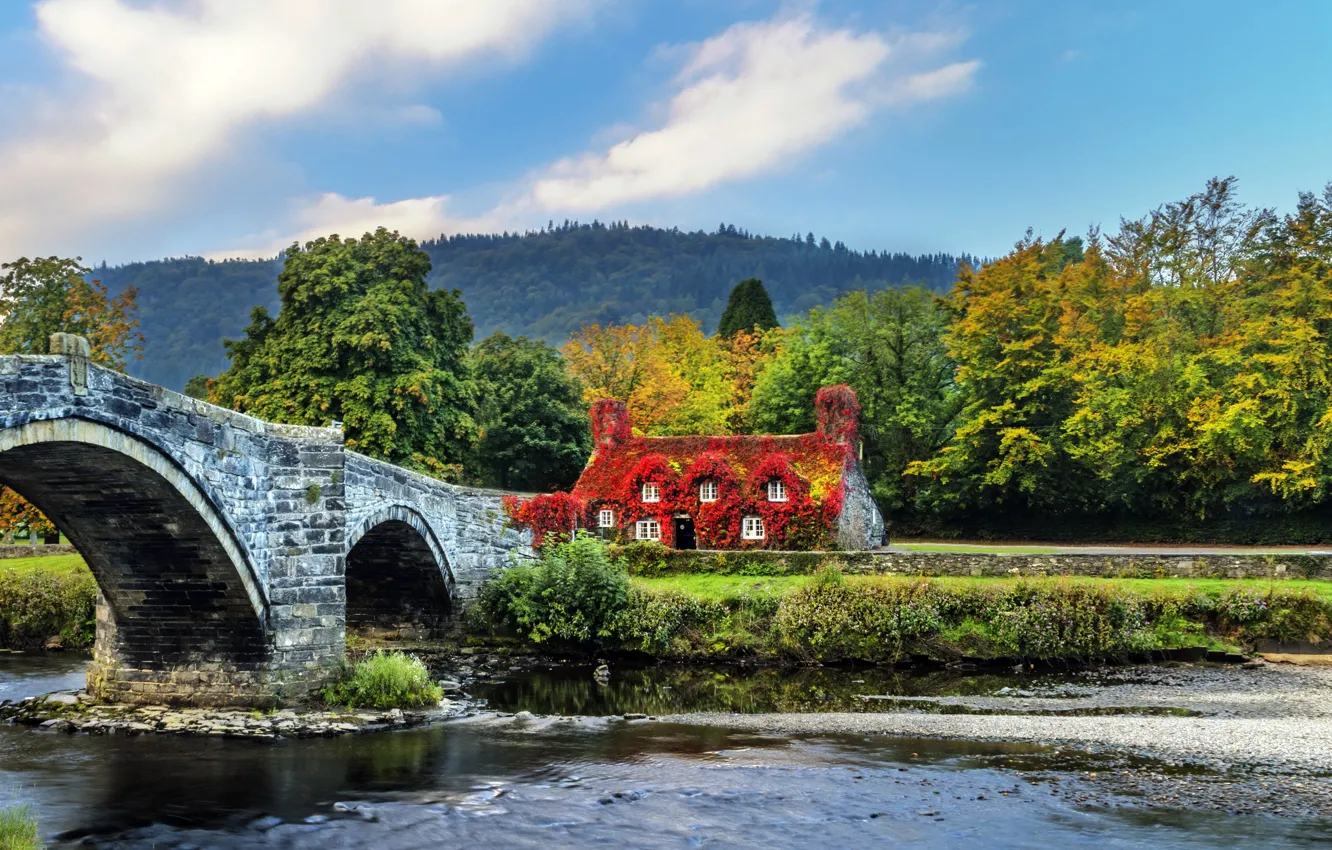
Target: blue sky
134	130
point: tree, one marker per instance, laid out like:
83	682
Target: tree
198	387
361	339
51	295
749	308
889	347
533	422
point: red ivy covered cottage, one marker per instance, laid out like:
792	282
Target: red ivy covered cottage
803	491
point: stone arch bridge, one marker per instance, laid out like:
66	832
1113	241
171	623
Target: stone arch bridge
231	554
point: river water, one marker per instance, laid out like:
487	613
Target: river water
553	782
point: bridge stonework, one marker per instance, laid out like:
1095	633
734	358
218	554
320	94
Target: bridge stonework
231	554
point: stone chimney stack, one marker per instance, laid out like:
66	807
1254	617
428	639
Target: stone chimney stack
610	423
838	414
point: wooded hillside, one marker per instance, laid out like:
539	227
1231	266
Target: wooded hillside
544	284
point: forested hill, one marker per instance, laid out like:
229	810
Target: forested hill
543	284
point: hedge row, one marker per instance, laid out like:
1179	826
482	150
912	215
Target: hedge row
832	619
1306	528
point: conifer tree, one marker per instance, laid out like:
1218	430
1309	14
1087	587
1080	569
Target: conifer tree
749	307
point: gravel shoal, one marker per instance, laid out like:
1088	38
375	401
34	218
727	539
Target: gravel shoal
1276	742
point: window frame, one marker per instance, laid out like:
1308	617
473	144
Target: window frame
647	524
710	487
759	532
605	518
777	490
656	492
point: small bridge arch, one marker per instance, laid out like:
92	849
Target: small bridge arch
178	591
398	574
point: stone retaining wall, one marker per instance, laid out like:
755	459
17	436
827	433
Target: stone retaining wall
927	564
41	550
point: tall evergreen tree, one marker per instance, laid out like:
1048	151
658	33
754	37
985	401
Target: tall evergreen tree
361	339
748	308
533	423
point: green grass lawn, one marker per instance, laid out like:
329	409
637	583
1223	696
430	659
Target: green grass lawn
718	587
50	563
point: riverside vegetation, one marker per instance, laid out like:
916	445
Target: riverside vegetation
18	829
582	593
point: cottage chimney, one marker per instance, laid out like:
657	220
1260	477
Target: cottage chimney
610	423
838	414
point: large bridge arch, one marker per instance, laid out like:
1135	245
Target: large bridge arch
183	613
398	575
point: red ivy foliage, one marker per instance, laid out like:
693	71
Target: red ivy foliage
546	514
610	422
716	524
838	413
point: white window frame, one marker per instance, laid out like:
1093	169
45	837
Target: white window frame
647	529
752	528
776	490
651	491
606	518
707	491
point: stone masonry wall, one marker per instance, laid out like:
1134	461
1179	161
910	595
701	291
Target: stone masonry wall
932	564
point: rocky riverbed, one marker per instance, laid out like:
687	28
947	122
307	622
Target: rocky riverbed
74	712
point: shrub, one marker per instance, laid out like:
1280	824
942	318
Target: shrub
574	593
18	829
1065	620
40	604
385	680
830	618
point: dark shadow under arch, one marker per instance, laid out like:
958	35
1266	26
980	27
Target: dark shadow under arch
395	581
177	593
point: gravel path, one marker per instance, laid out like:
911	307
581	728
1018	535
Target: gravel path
1276	715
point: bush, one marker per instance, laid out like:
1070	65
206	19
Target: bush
1064	620
385	680
574	593
37	605
18	829
829	618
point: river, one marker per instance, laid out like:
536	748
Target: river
584	781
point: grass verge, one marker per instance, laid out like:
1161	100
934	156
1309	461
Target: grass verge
18	829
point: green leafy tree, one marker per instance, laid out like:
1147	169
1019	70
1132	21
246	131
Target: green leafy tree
49	295
197	387
361	339
533	422
889	347
748	308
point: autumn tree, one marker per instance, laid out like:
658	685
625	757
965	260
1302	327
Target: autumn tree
533	427
42	296
361	339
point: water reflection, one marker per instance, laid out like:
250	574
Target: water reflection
558	782
745	690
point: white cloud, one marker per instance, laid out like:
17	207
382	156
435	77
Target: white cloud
164	90
419	218
751	100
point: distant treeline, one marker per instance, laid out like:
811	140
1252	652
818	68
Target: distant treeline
543	284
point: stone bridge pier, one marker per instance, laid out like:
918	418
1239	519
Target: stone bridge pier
231	554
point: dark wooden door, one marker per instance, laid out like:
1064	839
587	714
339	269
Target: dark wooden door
684	533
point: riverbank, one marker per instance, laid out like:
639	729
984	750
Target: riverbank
1268	717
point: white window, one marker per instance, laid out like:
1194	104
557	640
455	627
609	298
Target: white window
707	491
651	492
776	491
606	518
753	528
648	529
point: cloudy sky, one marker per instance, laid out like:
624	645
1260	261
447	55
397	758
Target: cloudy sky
134	130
